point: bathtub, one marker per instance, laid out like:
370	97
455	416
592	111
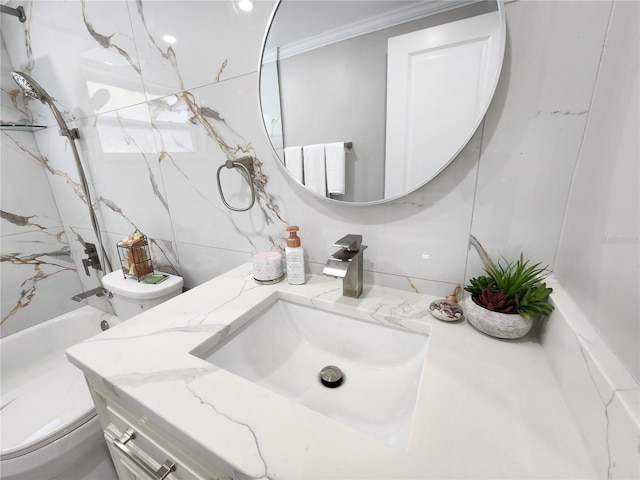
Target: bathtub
47	421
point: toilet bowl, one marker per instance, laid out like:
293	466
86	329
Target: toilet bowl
131	297
48	421
48	424
80	453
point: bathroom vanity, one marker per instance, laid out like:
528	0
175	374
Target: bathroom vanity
191	389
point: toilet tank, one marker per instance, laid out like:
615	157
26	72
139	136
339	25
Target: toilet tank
131	297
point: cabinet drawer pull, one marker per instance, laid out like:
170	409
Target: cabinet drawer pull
165	469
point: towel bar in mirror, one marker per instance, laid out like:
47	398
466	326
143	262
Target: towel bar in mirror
408	82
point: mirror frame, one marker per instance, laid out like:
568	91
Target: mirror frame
503	41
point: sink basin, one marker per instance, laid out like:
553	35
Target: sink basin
284	347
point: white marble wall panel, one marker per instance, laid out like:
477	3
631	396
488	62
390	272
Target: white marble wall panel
200	264
12	108
214	41
592	337
64	179
27	203
225	119
598	255
38	278
535	124
123	161
82	53
37	274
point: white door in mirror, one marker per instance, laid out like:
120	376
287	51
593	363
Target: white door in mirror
438	81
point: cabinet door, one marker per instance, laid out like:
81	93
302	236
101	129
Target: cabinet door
142	452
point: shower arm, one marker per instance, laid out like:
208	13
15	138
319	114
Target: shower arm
16	12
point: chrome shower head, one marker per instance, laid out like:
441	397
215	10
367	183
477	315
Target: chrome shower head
30	87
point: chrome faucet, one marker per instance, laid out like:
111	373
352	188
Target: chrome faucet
98	292
346	263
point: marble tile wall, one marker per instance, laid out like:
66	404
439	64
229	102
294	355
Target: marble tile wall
38	276
156	121
598	254
593	339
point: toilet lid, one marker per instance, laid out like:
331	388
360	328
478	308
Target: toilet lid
131	288
43	409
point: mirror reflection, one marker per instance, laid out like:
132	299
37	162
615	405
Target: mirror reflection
404	84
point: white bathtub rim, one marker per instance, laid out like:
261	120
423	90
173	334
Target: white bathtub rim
71	415
58	318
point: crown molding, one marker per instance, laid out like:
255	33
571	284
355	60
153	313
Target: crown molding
371	24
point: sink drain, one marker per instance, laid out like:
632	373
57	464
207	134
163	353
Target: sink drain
331	376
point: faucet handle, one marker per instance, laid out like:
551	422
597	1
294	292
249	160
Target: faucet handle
351	242
86	262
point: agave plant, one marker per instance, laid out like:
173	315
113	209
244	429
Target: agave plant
495	301
513	287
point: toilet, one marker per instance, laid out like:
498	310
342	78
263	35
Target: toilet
131	297
53	401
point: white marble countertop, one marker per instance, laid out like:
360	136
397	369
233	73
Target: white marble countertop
486	408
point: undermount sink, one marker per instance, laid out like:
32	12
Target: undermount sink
284	347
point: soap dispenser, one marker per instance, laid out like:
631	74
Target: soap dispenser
294	254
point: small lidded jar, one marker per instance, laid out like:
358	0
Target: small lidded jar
267	268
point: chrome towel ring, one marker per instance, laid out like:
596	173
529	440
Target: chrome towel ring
245	165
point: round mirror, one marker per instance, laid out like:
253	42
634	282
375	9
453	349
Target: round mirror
366	101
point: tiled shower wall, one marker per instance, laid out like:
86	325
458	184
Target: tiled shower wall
156	121
38	274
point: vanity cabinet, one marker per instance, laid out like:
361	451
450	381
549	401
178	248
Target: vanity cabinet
141	452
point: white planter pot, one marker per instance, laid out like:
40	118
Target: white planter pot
501	325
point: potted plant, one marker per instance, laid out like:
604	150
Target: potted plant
505	302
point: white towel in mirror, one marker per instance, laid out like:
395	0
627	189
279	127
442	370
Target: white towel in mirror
335	161
293	162
315	175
